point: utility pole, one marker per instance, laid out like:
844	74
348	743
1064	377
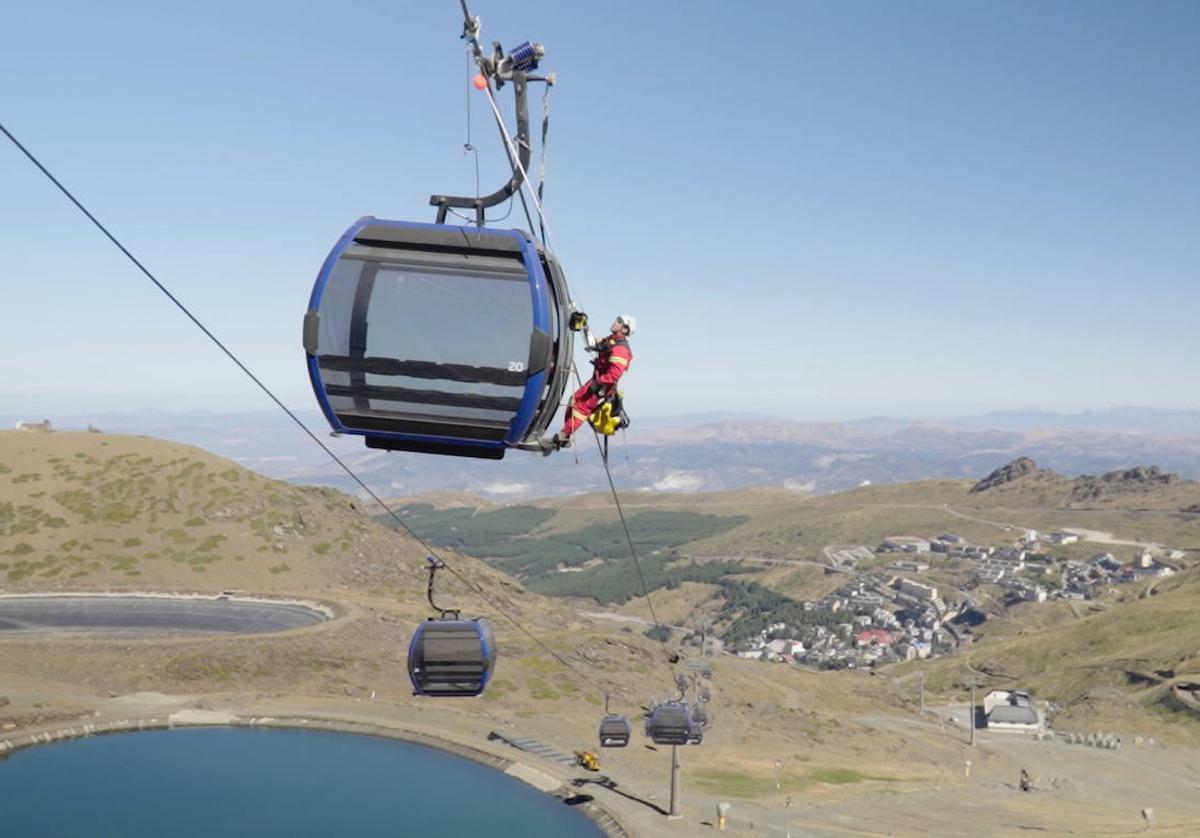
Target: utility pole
787	805
676	792
971	715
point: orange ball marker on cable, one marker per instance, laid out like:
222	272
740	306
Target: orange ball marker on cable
480	81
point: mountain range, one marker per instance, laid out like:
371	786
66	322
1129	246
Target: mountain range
713	452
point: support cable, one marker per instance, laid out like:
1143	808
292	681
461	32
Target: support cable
535	199
472	586
542	164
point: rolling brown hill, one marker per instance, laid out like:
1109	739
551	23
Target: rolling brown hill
88	511
1110	665
105	512
99	512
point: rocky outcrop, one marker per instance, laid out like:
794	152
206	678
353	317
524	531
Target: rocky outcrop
1122	481
1015	470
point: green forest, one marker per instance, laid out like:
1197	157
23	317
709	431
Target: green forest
617	582
757	607
506	537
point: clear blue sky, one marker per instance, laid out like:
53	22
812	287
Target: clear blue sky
814	210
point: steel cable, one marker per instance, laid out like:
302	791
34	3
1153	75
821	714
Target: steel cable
472	586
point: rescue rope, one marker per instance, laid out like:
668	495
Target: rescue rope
547	241
467	145
471	586
672	657
534	197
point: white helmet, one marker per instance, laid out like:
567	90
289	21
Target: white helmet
628	322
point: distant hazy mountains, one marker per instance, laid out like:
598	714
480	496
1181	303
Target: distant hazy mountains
1127	419
698	455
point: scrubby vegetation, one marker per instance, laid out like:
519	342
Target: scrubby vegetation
757	607
618	581
508	537
106	509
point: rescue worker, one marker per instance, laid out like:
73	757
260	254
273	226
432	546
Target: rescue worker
613	357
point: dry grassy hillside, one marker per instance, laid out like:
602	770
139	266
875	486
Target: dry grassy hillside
789	526
93	511
85	511
1079	654
104	512
1110	664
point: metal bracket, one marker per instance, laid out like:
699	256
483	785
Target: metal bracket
436	564
498	68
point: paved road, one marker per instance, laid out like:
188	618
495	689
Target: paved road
149	615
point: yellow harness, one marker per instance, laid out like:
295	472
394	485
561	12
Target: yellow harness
609	418
606	420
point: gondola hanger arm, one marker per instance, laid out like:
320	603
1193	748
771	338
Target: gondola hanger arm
436	564
498	68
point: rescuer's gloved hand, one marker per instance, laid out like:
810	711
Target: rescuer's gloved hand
595	388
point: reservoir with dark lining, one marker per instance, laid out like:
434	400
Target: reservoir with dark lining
151	615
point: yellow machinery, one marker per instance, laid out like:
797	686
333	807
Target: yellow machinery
588	760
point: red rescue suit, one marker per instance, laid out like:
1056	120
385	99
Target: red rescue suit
612	360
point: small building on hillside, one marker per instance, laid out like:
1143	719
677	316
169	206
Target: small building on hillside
1010	710
918	590
40	427
873	637
785	647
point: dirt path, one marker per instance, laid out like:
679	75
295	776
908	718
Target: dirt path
1100	537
